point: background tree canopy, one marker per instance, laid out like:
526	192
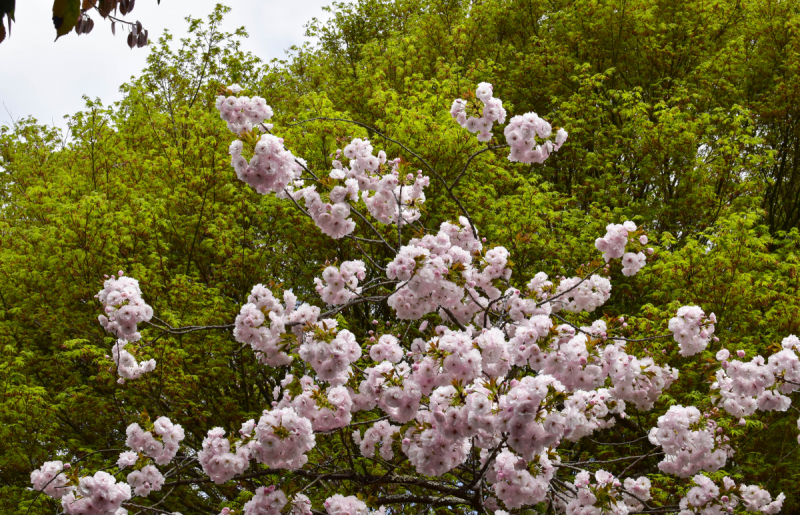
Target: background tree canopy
683	116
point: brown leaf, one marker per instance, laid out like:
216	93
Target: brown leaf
106	6
2	31
113	27
131	40
87	4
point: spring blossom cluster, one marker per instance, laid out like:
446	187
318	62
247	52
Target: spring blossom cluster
521	133
691	442
243	113
340	285
124	309
708	497
99	494
759	384
607	494
272	169
692	329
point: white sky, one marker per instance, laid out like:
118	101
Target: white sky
47	79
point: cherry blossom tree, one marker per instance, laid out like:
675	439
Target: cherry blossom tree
469	394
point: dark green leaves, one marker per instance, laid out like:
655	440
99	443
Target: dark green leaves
6	10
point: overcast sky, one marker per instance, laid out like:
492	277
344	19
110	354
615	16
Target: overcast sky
47	79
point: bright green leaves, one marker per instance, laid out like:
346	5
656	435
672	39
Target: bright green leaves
65	15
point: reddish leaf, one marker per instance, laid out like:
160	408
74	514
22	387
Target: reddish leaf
106	6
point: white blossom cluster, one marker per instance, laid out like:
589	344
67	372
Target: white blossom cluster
124	310
243	113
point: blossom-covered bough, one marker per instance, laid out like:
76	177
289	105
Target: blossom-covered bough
472	394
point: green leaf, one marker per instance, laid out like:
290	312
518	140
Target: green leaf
65	15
